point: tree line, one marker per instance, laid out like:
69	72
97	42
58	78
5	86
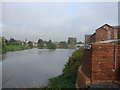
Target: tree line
41	44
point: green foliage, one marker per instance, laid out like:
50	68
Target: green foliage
7	42
3	49
30	44
60	82
71	67
85	86
12	41
51	46
16	47
40	44
69	76
63	44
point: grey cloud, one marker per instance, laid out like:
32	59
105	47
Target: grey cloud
56	21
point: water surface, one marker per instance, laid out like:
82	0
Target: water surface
33	67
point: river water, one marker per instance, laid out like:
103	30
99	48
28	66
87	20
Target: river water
33	67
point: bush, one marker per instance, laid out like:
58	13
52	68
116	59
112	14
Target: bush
69	76
51	46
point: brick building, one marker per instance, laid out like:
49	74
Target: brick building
118	28
92	38
105	32
99	64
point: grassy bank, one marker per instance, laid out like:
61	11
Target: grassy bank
69	76
13	48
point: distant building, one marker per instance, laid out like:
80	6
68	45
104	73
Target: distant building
34	44
87	38
25	43
80	44
72	41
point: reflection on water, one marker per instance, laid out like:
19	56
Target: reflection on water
32	68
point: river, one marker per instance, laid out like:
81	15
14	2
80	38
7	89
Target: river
33	67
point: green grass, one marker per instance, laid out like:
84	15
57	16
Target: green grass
69	76
13	48
85	86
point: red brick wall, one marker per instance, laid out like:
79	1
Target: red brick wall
98	64
114	34
103	63
118	64
82	79
92	38
87	62
84	71
101	34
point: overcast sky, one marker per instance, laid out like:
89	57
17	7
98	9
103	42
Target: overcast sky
56	21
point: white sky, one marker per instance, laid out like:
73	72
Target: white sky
55	20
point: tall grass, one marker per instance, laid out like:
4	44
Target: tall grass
13	48
69	76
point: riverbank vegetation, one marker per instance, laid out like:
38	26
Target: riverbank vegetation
13	45
69	76
8	48
71	44
15	48
44	44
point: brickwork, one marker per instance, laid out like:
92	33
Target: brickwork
103	69
87	62
105	32
99	64
92	38
101	34
118	64
83	79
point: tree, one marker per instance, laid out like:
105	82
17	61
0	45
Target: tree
50	45
6	42
12	41
40	44
3	46
30	44
62	44
50	41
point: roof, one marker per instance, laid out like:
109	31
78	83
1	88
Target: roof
104	28
93	34
110	41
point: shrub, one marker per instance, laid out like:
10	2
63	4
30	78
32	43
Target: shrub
69	76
